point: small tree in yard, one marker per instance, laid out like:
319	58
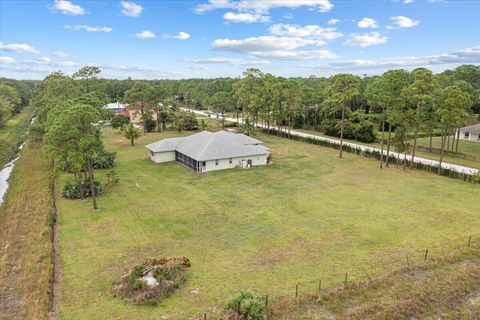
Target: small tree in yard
247	305
131	132
203	124
118	121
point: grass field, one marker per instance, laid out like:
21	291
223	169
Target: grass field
307	216
25	264
11	134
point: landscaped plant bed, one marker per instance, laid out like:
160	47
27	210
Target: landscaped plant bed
152	281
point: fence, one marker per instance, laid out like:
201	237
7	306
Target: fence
361	275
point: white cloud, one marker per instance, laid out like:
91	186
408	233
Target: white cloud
18	47
180	36
288	16
274	47
468	55
333	21
312	31
367	23
263	6
7	60
67	63
407	1
131	9
67	7
245	17
144	34
365	39
225	60
44	60
89	28
199	67
404	22
60	54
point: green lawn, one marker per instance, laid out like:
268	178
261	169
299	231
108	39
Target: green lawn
307	216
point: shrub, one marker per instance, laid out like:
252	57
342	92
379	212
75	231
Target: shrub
118	121
168	274
364	132
247	305
150	125
104	160
71	189
113	178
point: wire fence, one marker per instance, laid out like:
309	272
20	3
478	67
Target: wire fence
361	274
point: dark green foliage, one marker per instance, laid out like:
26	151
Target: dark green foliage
71	189
247	305
191	122
364	132
118	121
298	121
150	125
104	160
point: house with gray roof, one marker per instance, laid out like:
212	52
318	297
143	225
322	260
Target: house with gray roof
208	151
470	133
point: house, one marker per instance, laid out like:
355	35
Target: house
208	151
470	133
135	112
115	106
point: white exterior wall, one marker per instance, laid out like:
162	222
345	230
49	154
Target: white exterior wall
225	163
475	137
159	157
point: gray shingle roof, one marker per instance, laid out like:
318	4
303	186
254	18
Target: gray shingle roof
473	129
206	145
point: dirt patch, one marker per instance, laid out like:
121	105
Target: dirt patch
10	301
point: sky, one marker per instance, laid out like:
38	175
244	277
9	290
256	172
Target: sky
222	38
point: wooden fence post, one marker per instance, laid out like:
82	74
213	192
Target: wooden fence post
426	254
346	278
319	287
469	241
266	301
296	291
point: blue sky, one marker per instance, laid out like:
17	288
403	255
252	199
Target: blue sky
183	39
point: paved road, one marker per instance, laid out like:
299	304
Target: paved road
445	165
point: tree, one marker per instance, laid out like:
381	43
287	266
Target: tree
203	124
220	101
86	75
144	94
395	81
340	93
453	104
71	137
376	96
420	94
119	121
131	132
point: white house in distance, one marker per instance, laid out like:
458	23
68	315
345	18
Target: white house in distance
208	151
470	133
115	106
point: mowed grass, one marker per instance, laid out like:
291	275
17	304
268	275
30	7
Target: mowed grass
307	216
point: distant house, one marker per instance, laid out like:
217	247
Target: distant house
135	112
470	133
116	107
207	151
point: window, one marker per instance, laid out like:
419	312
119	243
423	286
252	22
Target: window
230	160
204	163
467	134
216	162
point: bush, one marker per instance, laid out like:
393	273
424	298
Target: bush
113	178
247	305
168	274
71	189
104	160
118	121
150	125
364	132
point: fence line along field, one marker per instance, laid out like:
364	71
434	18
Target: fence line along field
306	216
